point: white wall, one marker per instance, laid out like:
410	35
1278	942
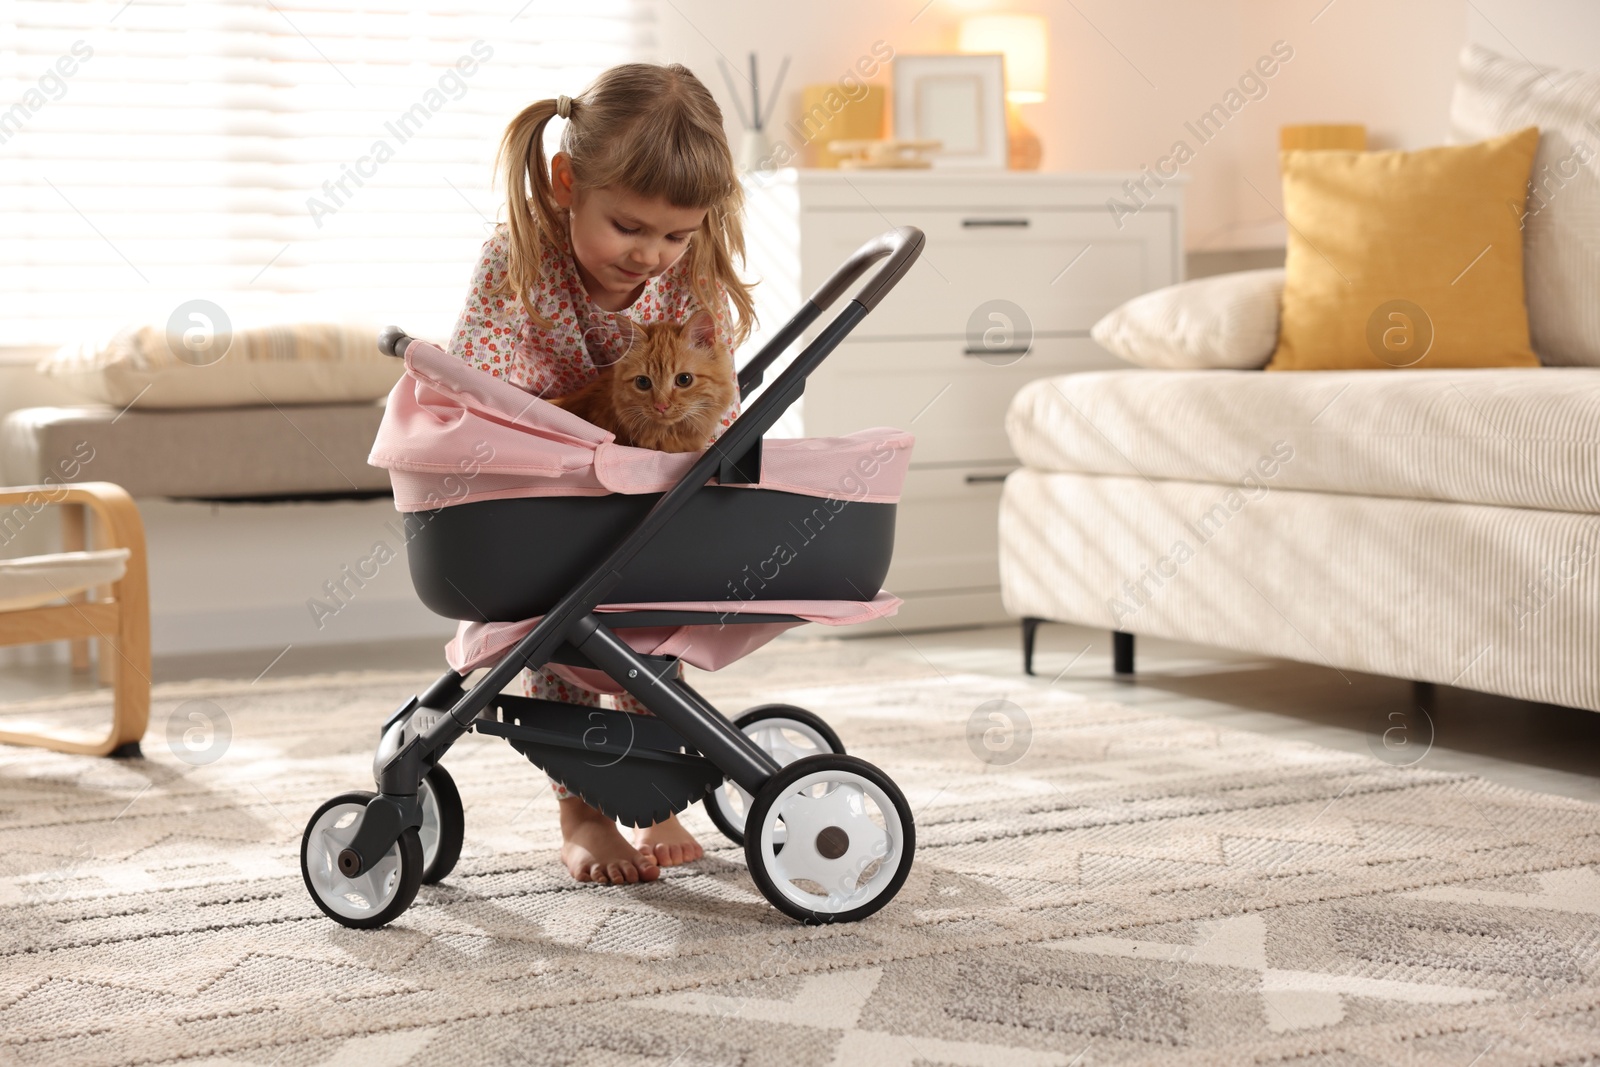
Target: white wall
1126	74
252	576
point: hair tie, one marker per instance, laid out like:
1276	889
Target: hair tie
563	107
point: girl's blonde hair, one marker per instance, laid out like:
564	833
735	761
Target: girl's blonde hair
652	130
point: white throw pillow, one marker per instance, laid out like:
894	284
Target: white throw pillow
1561	224
1227	321
301	363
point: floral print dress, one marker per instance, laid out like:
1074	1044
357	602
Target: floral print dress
495	335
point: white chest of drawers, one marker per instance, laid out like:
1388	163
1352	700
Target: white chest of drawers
945	352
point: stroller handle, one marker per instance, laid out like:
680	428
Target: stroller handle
902	245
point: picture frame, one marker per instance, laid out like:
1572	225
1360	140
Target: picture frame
955	99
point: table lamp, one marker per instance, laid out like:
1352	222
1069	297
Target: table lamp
1349	136
1024	40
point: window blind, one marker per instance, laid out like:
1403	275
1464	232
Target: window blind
284	159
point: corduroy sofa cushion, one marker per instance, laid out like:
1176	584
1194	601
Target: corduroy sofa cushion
1518	438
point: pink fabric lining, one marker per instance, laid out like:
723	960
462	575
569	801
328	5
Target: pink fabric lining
452	434
709	647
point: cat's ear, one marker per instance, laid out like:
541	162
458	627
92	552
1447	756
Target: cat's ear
700	330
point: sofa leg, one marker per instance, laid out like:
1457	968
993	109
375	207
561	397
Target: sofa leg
1121	652
1425	695
1030	630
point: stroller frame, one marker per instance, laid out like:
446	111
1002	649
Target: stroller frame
690	744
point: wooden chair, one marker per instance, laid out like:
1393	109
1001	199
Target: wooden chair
121	622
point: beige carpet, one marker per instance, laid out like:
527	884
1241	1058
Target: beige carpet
1133	889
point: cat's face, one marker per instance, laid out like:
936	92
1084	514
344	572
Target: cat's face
673	374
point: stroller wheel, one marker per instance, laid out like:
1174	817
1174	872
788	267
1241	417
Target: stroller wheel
848	839
443	825
786	733
376	896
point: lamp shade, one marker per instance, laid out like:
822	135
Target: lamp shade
1025	42
1351	137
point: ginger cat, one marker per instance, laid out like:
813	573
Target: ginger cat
668	393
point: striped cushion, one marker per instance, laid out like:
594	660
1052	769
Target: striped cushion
1514	437
1502	600
292	363
1561	229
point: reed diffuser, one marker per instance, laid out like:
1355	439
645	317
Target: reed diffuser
755	148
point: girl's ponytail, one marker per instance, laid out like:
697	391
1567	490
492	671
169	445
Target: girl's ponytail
653	130
530	218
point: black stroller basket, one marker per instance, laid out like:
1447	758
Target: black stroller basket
828	837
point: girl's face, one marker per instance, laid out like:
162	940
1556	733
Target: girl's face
619	239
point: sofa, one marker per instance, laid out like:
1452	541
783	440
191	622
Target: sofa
1432	525
271	412
1436	525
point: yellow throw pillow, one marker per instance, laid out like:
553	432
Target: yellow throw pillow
1406	259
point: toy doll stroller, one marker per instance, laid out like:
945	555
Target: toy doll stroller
555	546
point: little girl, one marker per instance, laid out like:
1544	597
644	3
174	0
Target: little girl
636	217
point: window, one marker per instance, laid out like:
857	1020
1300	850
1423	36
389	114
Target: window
285	159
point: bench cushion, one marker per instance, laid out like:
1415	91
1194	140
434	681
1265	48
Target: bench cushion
305	450
33	581
1511	437
148	367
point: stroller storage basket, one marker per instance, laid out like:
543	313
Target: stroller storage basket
506	560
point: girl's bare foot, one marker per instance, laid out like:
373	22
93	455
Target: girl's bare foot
594	851
669	842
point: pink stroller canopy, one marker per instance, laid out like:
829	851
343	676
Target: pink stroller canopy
452	434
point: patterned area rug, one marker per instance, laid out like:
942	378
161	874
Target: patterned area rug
1095	885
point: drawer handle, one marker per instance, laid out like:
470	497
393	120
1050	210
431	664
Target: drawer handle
991	224
984	479
1013	350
